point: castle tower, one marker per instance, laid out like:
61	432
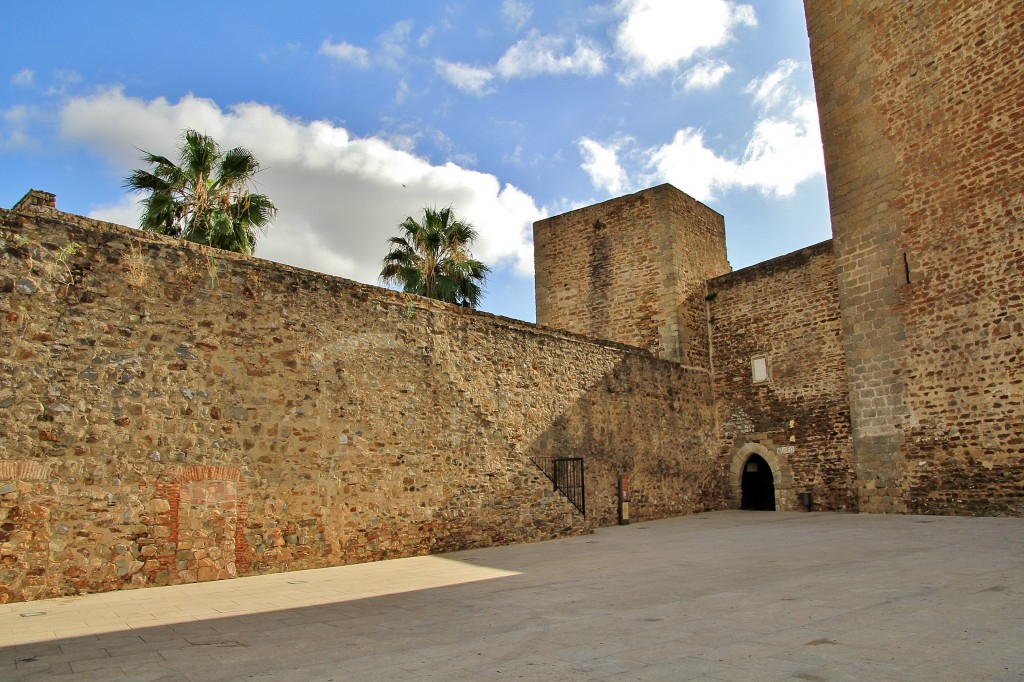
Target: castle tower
923	127
632	270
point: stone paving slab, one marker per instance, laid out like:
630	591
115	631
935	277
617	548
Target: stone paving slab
720	596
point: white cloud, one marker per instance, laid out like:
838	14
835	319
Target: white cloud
516	157
516	13
774	87
25	78
601	163
15	128
783	149
535	55
426	36
65	80
345	52
659	35
539	54
690	165
471	79
401	92
339	197
706	75
394	41
391	47
125	212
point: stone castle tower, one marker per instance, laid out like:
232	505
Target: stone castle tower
632	270
922	119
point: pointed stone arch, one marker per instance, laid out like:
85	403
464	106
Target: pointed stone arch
782	481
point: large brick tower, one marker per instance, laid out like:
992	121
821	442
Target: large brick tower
632	270
922	119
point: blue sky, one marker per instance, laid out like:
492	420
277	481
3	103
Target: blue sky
363	113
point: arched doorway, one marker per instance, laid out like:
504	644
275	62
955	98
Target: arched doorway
757	485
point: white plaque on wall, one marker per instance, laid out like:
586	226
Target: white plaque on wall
759	369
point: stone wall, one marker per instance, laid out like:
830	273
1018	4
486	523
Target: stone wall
632	270
921	118
169	413
786	311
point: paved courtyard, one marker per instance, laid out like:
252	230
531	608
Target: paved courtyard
721	596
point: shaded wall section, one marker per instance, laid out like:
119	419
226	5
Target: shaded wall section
783	315
170	413
921	115
648	425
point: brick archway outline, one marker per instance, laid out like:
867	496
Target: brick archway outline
218	489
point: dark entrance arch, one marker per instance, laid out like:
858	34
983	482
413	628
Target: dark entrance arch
758	485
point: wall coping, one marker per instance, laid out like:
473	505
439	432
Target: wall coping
657	189
789	261
29	206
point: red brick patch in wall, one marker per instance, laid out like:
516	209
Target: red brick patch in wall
197	525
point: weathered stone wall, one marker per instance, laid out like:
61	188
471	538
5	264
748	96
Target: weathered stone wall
171	414
632	270
923	128
785	310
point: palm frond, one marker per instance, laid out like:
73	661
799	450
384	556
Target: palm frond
199	153
237	166
160	213
144	181
205	198
433	258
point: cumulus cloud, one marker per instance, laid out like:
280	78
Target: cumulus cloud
601	163
689	164
339	196
545	54
706	75
783	149
25	78
471	79
516	13
345	52
660	35
127	211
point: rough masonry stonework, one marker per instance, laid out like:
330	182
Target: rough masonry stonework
170	413
923	127
786	312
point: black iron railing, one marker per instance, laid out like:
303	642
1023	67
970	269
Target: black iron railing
566	473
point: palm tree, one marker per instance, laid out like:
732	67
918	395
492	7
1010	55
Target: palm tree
433	259
206	198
